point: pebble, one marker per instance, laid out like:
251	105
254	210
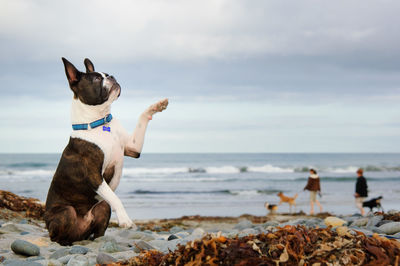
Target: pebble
64	259
198	232
110	247
142	245
334	221
390	228
360	222
21	263
175	229
78	260
243	224
60	253
78	250
172	237
103	258
373	221
26	248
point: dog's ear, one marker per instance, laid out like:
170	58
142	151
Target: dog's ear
73	75
89	65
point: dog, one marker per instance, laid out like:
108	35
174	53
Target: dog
290	200
272	208
81	195
373	203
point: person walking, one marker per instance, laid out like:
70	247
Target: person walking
313	185
361	190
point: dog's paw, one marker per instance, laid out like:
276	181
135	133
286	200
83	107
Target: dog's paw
125	221
157	107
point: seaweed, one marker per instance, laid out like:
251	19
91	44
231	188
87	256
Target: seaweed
289	245
31	206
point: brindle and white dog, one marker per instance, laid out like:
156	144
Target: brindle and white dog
81	195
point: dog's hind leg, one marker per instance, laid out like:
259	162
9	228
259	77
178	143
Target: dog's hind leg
101	213
65	226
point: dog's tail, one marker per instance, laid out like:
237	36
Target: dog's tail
295	196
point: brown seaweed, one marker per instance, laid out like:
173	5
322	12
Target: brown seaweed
289	245
32	207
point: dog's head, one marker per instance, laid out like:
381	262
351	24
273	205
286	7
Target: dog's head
90	87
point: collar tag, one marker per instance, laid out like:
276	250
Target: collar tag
106	128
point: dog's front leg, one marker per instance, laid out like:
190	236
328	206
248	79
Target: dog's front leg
134	145
116	205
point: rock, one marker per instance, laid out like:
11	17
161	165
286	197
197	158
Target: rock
60	253
21	263
397	235
161	245
103	258
373	221
172	237
365	231
375	229
390	228
26	248
384	222
360	222
54	263
142	245
175	229
65	259
243	224
350	219
78	260
334	221
35	258
343	231
24	233
78	250
247	231
198	232
110	247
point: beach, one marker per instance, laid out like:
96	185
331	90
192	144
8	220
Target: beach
202	207
24	240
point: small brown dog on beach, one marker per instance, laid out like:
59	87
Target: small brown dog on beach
290	200
272	208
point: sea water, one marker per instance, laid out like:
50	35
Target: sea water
174	185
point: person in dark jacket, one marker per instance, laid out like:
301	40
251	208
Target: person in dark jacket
361	190
313	185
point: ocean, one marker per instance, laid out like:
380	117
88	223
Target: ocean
174	185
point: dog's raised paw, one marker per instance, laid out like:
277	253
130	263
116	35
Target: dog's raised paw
157	107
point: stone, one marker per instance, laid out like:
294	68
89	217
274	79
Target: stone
343	231
390	228
78	250
53	263
60	253
360	222
142	245
375	229
247	231
373	221
198	232
26	248
103	258
21	263
397	235
243	224
110	247
65	259
175	229
383	222
35	258
334	221
172	237
78	260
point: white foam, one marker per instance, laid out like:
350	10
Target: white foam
269	169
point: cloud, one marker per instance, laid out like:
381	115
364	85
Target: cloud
196	30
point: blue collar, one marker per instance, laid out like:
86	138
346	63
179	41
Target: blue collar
94	124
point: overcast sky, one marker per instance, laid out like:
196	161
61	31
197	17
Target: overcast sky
241	76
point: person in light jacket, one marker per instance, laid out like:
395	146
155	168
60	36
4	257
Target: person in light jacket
313	185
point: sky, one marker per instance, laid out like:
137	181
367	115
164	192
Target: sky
241	76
